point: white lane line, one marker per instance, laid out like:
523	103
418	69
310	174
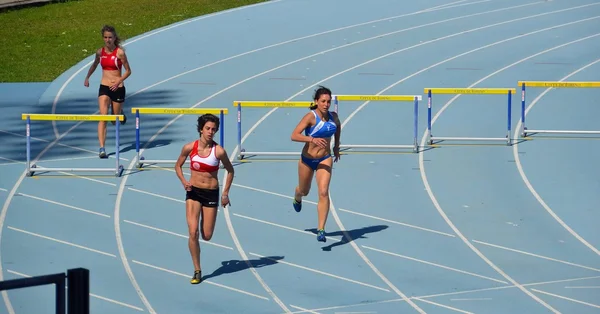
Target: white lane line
524	176
434	264
321	272
204	281
63	205
61	241
536	255
566	298
447	294
175	234
428	187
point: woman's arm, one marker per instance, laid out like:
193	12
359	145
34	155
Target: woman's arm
123	57
297	135
222	155
185	152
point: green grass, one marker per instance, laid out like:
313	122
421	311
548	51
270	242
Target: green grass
39	43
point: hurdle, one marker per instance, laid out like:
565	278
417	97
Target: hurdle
472	91
264	104
118	170
384	98
140	160
551	84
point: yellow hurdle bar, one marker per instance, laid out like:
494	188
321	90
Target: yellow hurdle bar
377	97
552	84
470	91
273	104
70	117
383	98
199	111
481	91
264	104
118	170
556	84
173	111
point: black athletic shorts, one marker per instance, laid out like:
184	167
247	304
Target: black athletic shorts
116	96
206	197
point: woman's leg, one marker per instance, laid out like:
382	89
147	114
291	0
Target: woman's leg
323	180
305	175
103	104
192	215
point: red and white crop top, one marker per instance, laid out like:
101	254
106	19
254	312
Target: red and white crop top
209	163
110	61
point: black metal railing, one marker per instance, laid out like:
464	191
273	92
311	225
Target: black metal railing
76	300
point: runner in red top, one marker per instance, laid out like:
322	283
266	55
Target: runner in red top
112	59
202	189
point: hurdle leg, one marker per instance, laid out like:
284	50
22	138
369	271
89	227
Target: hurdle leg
416	115
221	133
429	102
119	168
523	128
335	103
508	140
239	131
28	149
137	139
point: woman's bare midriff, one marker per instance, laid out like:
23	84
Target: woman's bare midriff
312	150
204	180
110	78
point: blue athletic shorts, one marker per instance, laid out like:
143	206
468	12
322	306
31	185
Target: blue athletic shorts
313	163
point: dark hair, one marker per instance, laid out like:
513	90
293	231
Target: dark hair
108	28
207	118
322	90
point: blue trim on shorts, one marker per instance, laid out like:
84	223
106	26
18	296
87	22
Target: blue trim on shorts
313	163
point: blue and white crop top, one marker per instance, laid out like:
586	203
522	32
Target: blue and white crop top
322	129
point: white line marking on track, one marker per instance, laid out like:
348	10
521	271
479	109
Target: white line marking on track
204	282
443	306
434	264
283	227
565	298
448	294
63	205
397	222
117	208
536	255
62	145
343	210
422	165
175	234
333	212
91	294
582	287
158	195
472	299
524	176
303	309
322	273
61	241
4	190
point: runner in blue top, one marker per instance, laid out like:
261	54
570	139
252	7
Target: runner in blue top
319	125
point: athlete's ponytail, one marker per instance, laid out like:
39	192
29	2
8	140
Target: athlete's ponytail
322	90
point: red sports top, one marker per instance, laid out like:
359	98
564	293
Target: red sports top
209	163
110	61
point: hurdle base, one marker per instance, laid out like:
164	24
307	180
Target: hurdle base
34	168
142	161
528	132
377	148
433	140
